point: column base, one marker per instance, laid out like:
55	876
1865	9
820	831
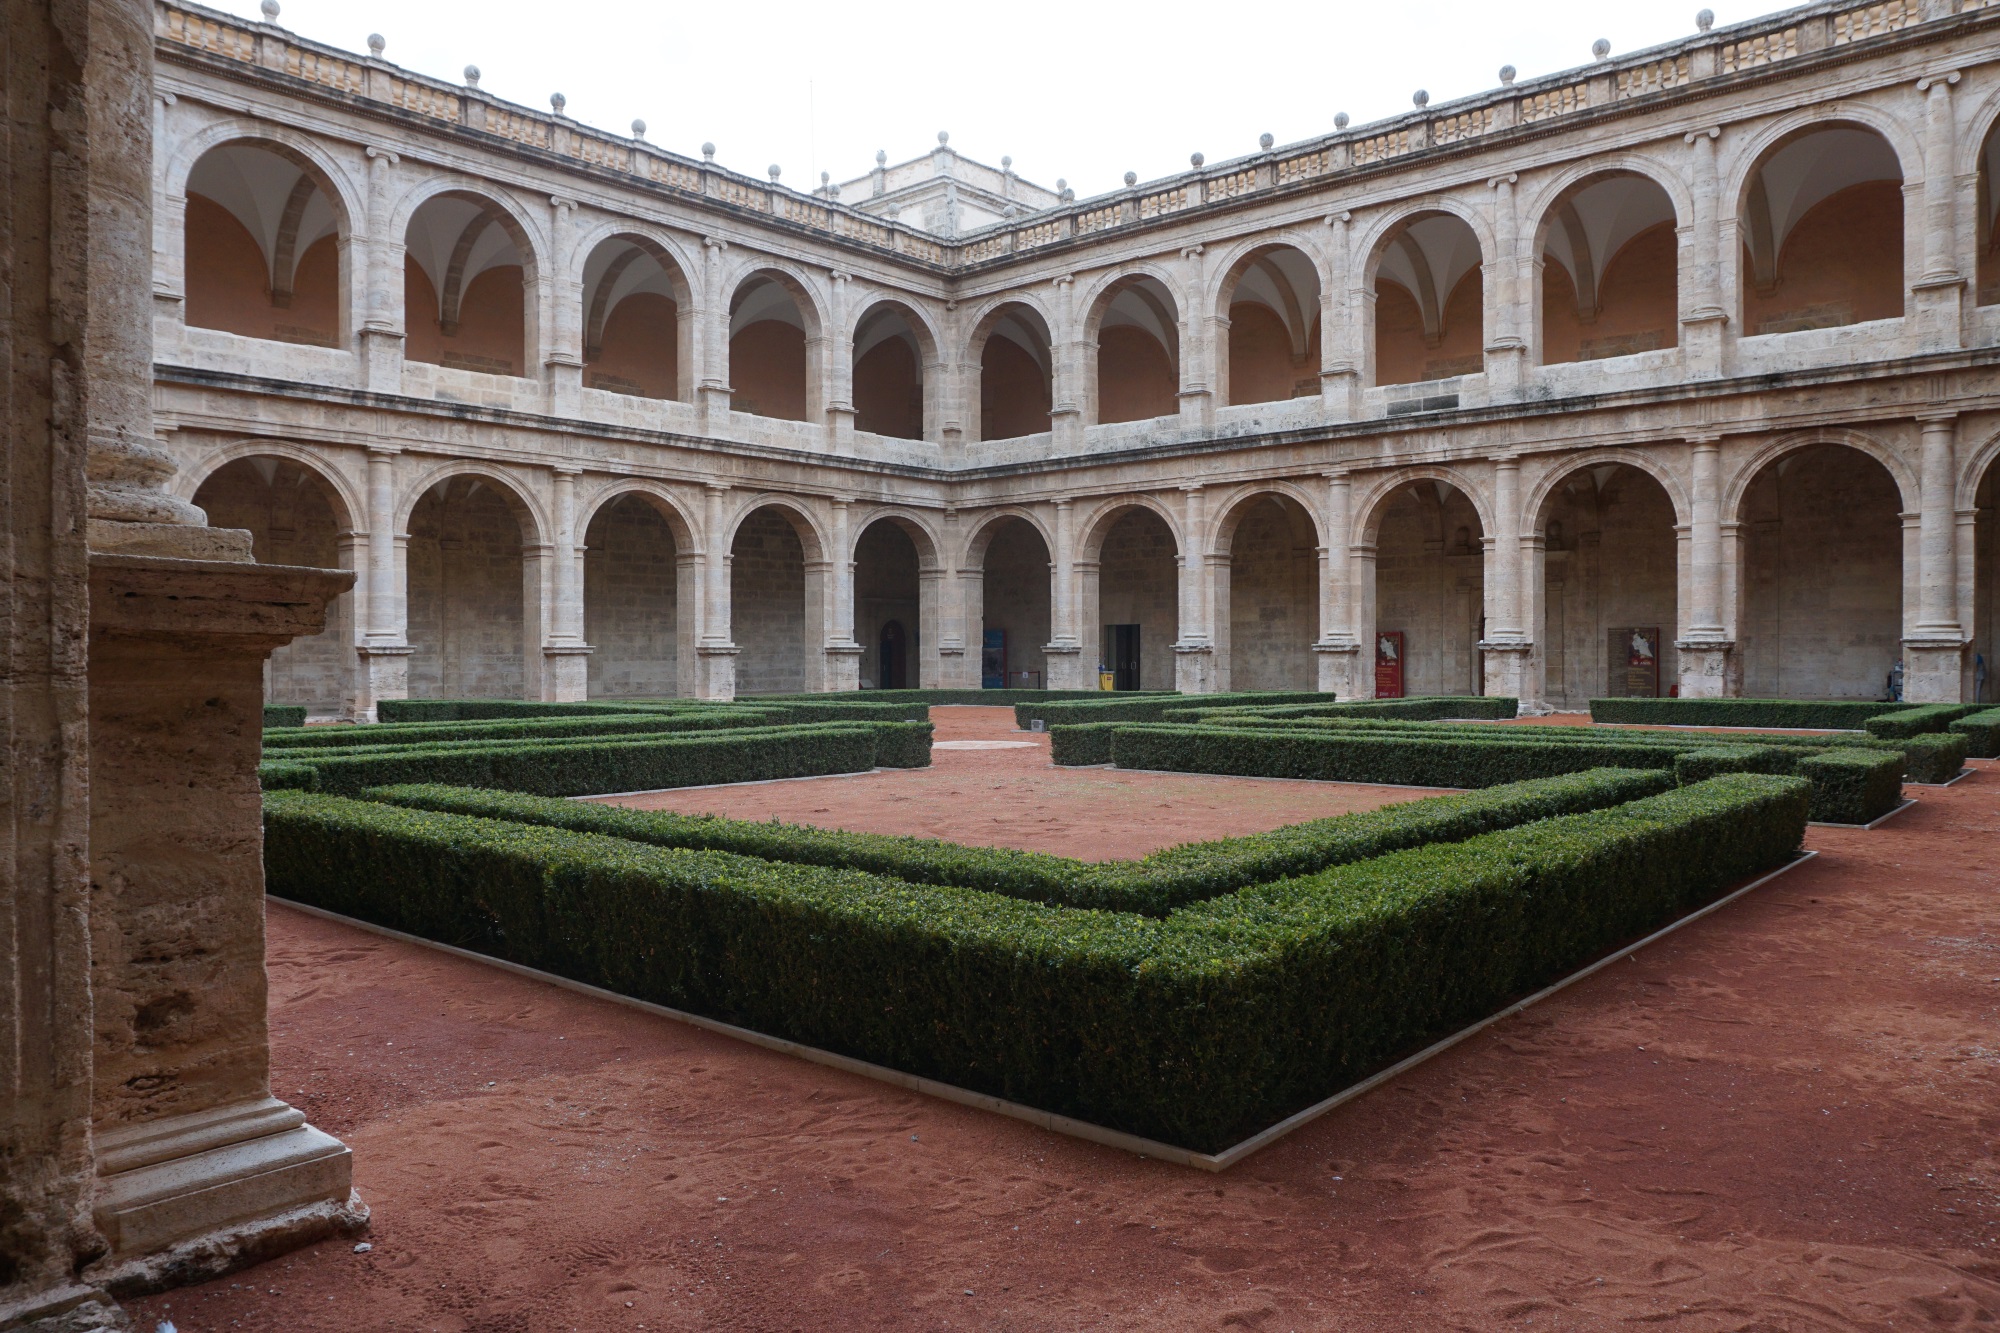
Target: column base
1338	664
1704	672
840	668
1933	671
1940	312
1507	674
566	672
186	1198
715	671
383	673
1065	666
1194	668
1701	344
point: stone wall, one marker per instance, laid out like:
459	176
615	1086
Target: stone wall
767	605
1262	366
1273	599
767	370
1138	584
1637	300
1609	564
492	322
290	519
466	620
1135	376
1016	595
1403	355
889	391
1822	609
640	351
1013	392
1430	585
886	589
229	282
1986	600
630	602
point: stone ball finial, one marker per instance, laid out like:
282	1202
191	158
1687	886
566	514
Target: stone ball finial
1705	20
708	152
1131	178
773	169
895	212
557	102
377	43
472	76
1340	120
1507	76
638	129
881	157
1195	160
825	179
943	138
1420	99
1061	184
1264	141
1601	48
1006	162
270	8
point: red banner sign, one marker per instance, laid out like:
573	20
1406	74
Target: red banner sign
1389	664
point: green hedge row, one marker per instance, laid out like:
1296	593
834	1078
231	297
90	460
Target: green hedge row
501	710
407	734
1155	708
1198	1029
1981	732
284	715
596	765
989	698
1418	708
1811	714
1154	885
1852	786
1921	720
1437	759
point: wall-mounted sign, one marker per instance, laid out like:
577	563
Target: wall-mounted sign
1389	664
1634	662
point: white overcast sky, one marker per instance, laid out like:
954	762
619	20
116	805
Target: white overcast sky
1077	89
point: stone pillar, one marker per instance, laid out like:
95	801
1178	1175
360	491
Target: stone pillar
1340	369
1506	647
933	665
712	392
1337	649
1067	669
1506	348
841	664
562	359
958	622
1705	646
1066	411
382	331
384	668
840	370
565	656
1938	295
1198	354
1703	315
1934	654
1194	648
1361	576
715	653
169	251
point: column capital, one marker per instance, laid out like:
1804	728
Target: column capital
384	451
1507	178
1704	441
384	155
566	471
1942	416
714	243
1942	79
562	203
1340	219
1711	133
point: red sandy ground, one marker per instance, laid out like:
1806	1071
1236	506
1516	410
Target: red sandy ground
1781	1118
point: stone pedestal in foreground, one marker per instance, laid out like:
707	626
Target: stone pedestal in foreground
199	1168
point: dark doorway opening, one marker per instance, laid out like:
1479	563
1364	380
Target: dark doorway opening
1121	645
894	657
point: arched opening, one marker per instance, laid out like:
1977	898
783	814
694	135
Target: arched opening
768	604
1138	601
1138	352
465	286
295	518
1822	231
1015	619
631	601
1430	309
1822	597
887	591
1989	212
469	593
1272	301
1610	270
633	295
263	250
889	356
1273	588
1985	657
769	374
1610	586
1016	374
1430	590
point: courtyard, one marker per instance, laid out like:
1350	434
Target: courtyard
1777	1118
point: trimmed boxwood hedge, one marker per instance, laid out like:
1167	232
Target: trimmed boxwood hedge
1981	732
1918	721
1852	786
1153	885
1132	706
405	734
501	710
1197	1029
1418	708
593	766
1811	714
982	697
284	715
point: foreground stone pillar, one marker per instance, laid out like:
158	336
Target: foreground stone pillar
1934	654
1506	650
200	1169
714	653
1706	649
1066	664
565	656
1337	648
1194	646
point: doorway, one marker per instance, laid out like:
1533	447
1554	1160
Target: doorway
1121	645
893	657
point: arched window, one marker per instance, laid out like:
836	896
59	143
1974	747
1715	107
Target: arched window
1272	300
263	249
1822	231
769	371
1138	351
465	286
889	356
1610	270
633	296
1430	312
1016	374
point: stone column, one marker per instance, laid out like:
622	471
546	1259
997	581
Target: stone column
169	251
565	656
1934	654
1194	647
1340	369
1066	411
1065	650
562	359
953	629
384	666
840	668
1705	646
1506	348
1506	647
715	653
840	371
382	331
1198	352
712	391
1337	648
933	666
1703	314
1361	581
1939	292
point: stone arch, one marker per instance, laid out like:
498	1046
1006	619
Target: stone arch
1431	324
1979	460
1096	523
1238	501
1418	569
1535	502
1017	386
307	152
779	595
1607	259
1553	186
895	562
1008	585
1133	322
350	506
639	580
773	363
982	532
534	520
669	506
476	564
1133	553
461	306
1267	565
1373	241
1273	347
894	378
631	344
923	535
812	537
1369	505
1738	480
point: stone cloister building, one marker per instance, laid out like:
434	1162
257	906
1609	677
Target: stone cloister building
1696	344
